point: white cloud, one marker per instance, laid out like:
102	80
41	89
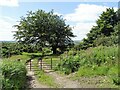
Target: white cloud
10	3
81	29
6	28
85	13
84	18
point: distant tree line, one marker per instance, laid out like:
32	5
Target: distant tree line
14	48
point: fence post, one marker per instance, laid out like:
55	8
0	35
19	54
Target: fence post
30	64
51	63
41	64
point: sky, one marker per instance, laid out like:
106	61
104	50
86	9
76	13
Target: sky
80	15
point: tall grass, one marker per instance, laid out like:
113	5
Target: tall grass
93	61
101	55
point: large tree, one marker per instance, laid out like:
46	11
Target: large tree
45	29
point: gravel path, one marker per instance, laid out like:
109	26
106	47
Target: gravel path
63	81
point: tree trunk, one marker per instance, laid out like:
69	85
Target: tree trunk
54	49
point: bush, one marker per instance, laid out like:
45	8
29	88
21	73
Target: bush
14	75
69	64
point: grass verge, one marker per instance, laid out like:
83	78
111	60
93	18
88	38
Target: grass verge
96	76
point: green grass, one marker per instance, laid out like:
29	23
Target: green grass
23	58
45	79
33	55
95	71
88	71
25	53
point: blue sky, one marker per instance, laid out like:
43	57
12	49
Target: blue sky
81	16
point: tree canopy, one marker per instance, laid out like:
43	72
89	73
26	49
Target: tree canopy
44	29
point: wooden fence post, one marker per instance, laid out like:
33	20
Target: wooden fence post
30	64
41	64
51	63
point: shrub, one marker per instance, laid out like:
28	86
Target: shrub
69	64
14	75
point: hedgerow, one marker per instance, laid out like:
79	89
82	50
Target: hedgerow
14	75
